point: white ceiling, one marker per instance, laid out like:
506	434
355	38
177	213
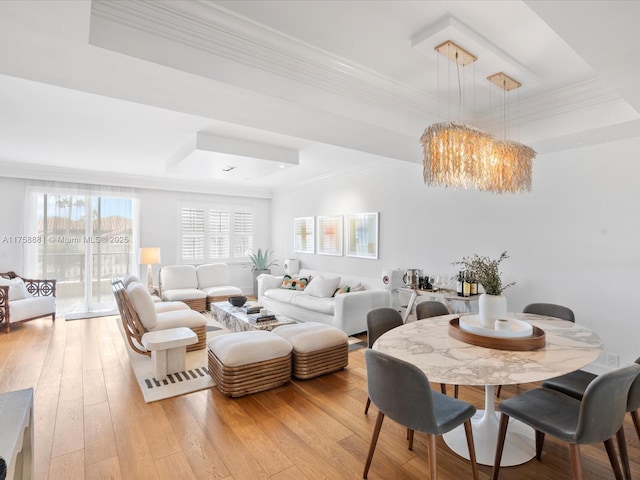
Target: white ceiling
145	93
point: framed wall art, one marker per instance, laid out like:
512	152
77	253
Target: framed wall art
362	235
329	230
303	235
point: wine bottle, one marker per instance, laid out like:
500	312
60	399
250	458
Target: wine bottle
459	284
466	284
474	284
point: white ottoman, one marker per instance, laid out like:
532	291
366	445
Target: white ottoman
249	362
317	348
168	349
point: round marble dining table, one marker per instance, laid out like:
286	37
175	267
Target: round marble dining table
427	344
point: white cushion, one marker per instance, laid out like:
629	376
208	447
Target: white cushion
317	304
32	307
179	318
181	294
17	288
129	278
222	291
311	336
170	306
212	275
282	294
178	276
143	304
243	348
322	287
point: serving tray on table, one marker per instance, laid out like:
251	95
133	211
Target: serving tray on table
532	342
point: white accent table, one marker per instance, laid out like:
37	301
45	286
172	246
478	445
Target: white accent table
168	349
16	433
444	359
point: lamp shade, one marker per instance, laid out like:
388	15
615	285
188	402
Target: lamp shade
149	255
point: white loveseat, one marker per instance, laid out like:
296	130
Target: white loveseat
23	299
346	311
198	286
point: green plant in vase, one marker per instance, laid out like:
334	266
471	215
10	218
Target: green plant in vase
260	263
492	304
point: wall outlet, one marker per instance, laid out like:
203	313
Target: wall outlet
613	360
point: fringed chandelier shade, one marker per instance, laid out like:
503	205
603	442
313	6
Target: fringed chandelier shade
460	156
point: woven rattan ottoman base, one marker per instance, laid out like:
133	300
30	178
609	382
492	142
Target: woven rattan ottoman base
249	362
312	364
317	348
251	378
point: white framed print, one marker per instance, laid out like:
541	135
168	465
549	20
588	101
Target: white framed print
304	235
329	238
362	235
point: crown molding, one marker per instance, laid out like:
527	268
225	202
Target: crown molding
64	174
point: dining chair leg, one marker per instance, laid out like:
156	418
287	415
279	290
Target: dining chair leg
455	391
502	433
443	388
472	448
498	390
431	449
410	432
613	459
576	465
366	407
636	422
374	440
539	444
624	455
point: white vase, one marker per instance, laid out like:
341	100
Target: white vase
491	308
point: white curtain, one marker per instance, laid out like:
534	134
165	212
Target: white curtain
83	236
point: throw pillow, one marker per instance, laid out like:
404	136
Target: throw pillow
345	289
322	287
17	288
358	287
294	283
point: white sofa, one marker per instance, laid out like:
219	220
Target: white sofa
197	287
346	311
23	299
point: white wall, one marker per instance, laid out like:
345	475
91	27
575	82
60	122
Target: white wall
573	240
158	226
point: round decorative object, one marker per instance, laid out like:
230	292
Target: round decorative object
531	342
491	308
237	300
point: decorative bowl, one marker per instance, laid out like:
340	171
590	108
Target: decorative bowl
237	300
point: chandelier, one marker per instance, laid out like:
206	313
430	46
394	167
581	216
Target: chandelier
460	156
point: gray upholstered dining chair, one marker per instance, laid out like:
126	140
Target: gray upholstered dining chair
379	321
594	419
575	383
429	309
402	392
549	310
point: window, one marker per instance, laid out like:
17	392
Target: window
215	234
83	238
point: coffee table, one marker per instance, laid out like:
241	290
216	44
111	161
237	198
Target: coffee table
237	320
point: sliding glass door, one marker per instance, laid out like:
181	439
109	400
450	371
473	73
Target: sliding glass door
83	241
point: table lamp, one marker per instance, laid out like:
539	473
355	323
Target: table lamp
149	256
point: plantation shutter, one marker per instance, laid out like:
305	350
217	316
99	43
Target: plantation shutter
219	234
192	223
242	233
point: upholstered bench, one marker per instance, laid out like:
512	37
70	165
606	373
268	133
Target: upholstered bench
249	362
317	348
168	349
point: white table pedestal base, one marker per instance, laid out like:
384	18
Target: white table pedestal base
519	446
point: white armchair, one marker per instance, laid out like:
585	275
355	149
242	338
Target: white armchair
180	283
213	279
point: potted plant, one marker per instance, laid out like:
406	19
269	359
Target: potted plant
492	304
260	264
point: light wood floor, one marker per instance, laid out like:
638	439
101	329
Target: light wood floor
91	421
